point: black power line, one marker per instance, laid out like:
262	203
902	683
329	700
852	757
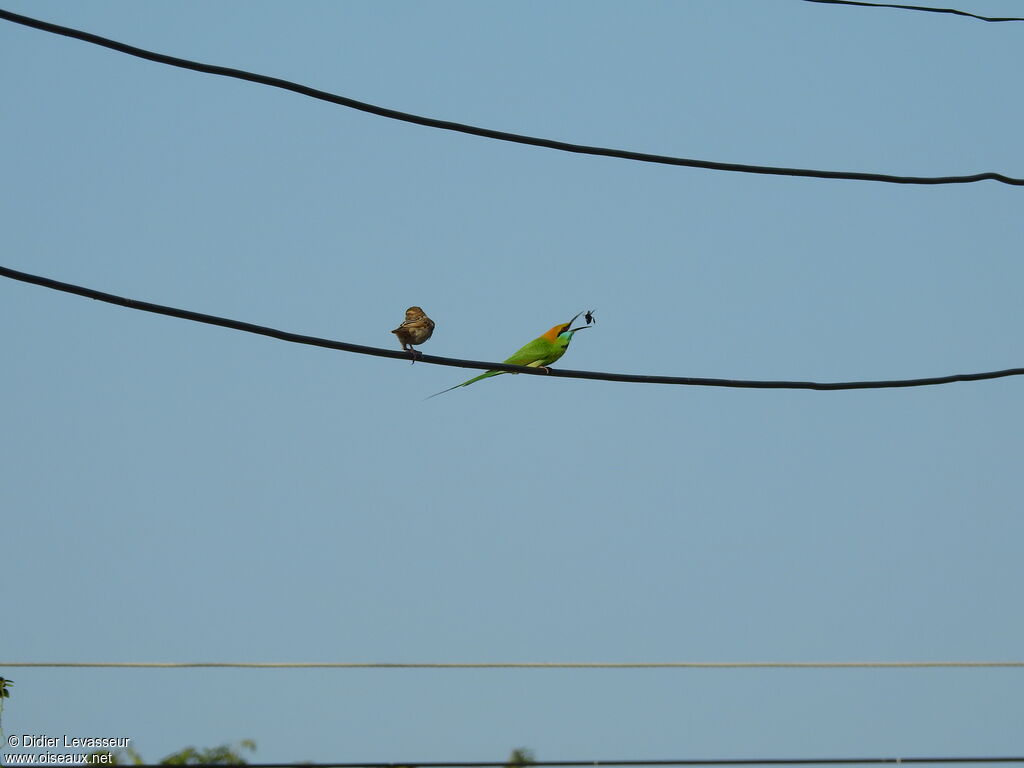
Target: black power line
598	763
487	132
917	8
546	665
343	346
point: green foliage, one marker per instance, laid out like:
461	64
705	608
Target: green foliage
222	755
4	694
225	754
520	757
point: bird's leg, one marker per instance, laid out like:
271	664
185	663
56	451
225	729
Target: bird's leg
414	352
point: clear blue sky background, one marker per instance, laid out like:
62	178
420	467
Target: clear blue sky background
178	492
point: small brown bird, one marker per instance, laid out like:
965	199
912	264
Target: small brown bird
415	330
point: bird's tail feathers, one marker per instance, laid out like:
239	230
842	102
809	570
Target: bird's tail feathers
486	375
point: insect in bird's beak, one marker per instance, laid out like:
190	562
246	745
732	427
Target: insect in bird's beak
568	326
570	329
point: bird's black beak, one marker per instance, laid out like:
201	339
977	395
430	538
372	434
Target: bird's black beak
570	329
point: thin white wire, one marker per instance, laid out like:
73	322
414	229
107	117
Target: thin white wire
519	665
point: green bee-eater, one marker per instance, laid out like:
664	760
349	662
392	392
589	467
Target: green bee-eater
539	353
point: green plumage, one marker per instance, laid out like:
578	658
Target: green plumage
539	353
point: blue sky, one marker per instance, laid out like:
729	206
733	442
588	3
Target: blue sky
178	492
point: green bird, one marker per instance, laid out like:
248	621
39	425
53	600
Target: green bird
539	353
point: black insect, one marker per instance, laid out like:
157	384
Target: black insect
589	317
